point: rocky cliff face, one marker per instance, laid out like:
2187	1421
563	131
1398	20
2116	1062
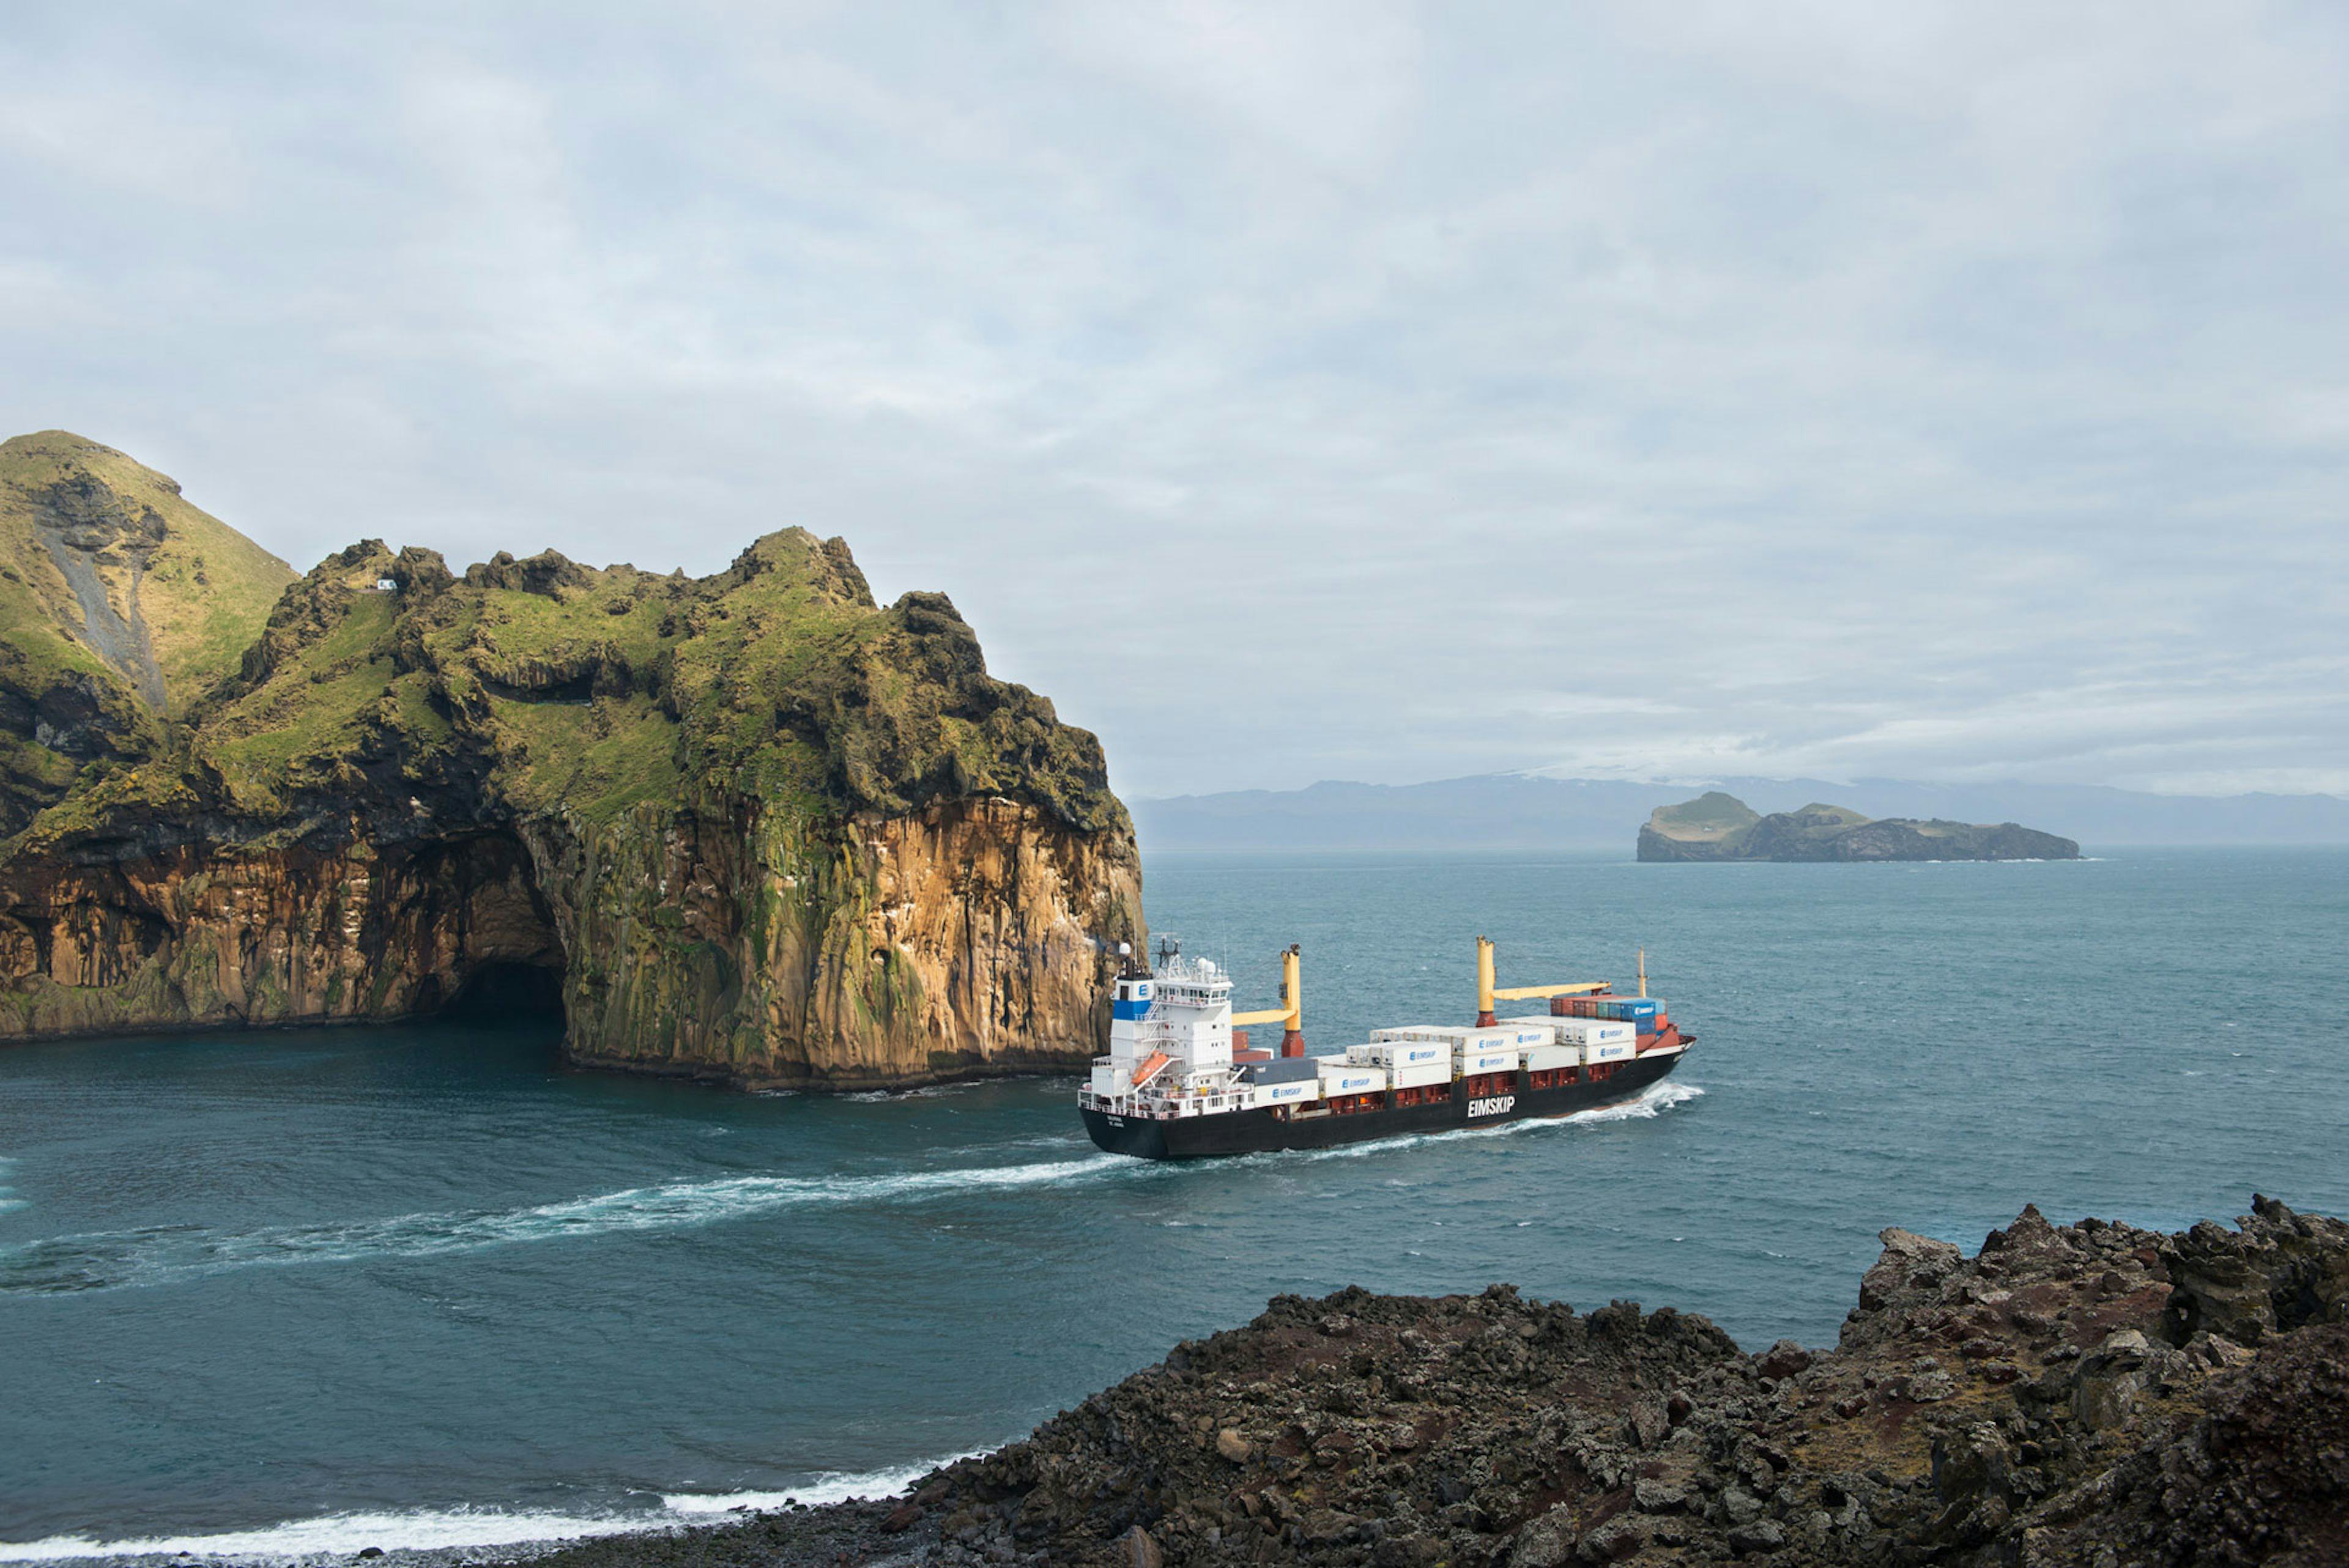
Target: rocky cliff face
1717	827
962	938
753	828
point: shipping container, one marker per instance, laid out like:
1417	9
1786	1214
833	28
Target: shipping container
1549	1058
1498	1061
1348	1078
1392	1054
1284	1069
1419	1074
1419	1032
1300	1091
1534	1031
1591	1031
1611	1051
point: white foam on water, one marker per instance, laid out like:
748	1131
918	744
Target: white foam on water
335	1537
832	1486
920	1091
153	1255
1652	1101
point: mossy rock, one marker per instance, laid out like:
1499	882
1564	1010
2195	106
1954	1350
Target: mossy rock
384	696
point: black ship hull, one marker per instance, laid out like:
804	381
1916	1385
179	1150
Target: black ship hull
1264	1131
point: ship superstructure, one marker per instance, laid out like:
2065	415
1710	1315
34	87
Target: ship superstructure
1181	1081
1170	1041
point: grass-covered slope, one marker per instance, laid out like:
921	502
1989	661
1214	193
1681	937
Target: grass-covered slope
539	686
120	605
1709	819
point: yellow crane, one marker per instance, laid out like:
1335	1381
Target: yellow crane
1290	1014
1487	994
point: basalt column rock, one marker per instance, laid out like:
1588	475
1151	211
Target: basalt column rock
956	940
302	934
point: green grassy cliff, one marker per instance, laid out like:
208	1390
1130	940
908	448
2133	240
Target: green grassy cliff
754	825
121	605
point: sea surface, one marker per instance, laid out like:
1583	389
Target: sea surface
289	1294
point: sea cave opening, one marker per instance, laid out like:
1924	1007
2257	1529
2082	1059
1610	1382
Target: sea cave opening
478	909
509	991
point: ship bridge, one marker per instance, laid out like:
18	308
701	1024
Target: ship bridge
1170	1037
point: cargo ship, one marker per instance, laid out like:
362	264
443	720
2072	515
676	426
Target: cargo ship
1181	1082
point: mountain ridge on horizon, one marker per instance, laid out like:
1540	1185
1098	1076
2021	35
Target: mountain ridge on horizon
1535	810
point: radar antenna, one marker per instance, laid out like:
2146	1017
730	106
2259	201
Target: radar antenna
1169	946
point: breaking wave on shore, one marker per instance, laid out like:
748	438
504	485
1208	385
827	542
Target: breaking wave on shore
429	1535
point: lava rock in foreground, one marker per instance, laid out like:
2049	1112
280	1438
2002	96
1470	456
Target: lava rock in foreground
2071	1396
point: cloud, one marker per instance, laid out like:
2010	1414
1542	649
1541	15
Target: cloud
1375	391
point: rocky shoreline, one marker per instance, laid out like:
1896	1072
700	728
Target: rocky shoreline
2081	1396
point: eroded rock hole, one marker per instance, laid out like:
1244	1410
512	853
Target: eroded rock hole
505	991
487	914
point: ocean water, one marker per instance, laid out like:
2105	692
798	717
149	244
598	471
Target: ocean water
285	1295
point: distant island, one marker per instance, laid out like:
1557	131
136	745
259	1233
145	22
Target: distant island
1519	812
1719	827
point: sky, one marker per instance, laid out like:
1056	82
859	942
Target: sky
1356	390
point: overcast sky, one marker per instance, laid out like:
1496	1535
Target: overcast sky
1288	392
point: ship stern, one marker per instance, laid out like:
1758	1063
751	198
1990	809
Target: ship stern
1142	1137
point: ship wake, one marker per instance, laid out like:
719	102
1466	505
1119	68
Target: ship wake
1652	1101
166	1254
